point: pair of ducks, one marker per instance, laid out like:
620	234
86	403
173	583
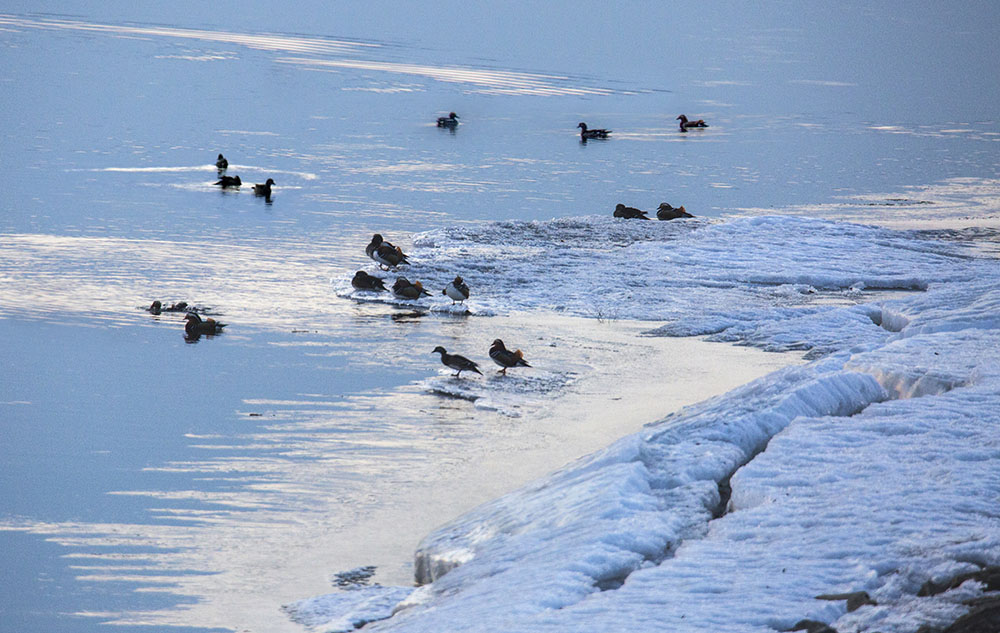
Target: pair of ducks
234	181
502	356
664	212
456	290
194	325
587	133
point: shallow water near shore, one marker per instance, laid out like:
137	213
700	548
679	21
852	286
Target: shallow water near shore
153	482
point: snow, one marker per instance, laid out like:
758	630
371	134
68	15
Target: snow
872	468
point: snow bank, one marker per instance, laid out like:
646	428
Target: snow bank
873	468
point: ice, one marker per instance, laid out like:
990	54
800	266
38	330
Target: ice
871	468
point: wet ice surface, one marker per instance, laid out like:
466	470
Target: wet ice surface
153	483
871	469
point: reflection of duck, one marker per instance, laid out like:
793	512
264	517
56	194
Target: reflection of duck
506	358
448	121
629	213
229	181
364	281
195	326
406	290
456	362
685	124
667	212
221	163
456	290
263	190
585	133
384	253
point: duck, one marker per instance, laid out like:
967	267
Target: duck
155	308
406	290
667	212
506	358
456	362
196	326
629	213
229	181
448	121
221	163
585	133
364	281
456	290
384	253
685	124
264	189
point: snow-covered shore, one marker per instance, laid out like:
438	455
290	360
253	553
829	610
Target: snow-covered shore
872	468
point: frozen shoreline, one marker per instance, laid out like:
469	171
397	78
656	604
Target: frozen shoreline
898	414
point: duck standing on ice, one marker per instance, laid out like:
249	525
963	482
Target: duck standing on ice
385	254
221	163
629	213
667	212
506	358
456	362
685	124
406	290
586	134
456	290
364	281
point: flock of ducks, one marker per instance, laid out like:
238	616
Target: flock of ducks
390	257
227	182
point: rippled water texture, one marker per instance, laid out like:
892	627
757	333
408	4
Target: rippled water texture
152	482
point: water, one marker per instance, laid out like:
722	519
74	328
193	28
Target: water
152	482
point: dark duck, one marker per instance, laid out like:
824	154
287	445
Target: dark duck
629	213
456	290
406	290
221	163
456	362
384	253
587	134
157	307
229	181
685	124
196	326
264	189
448	121
364	281
506	358
667	212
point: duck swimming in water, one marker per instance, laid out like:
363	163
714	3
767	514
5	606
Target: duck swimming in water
506	358
221	163
264	189
456	290
667	212
685	124
448	121
629	213
364	281
456	362
586	134
195	326
229	181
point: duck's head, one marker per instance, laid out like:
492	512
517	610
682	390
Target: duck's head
438	350
497	343
581	125
458	280
156	306
619	207
237	180
681	118
192	317
665	206
270	181
452	115
377	238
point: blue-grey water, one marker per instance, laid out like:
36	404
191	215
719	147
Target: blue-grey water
135	464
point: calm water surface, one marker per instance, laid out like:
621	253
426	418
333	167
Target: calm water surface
148	481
